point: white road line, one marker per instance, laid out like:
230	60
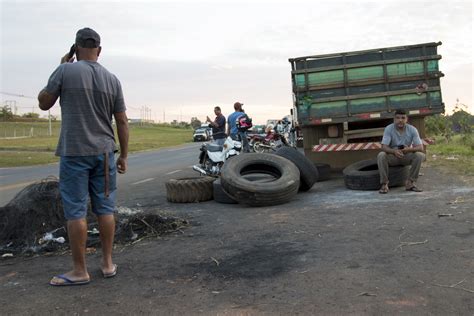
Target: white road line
15	186
174	171
175	149
143	181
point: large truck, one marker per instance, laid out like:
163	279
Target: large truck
342	102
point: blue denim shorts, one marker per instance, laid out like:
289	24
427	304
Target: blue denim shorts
81	177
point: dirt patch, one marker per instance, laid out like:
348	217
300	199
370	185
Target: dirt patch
256	262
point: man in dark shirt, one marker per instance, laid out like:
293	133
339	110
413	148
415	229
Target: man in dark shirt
218	126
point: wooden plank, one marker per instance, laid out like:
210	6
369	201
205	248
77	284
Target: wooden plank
373	95
383	115
368	133
359	83
367	64
359	52
366	130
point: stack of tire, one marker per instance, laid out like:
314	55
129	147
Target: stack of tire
255	179
261	179
364	175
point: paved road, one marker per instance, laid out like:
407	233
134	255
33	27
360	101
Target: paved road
145	168
329	251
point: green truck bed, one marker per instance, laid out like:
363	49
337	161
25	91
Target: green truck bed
354	86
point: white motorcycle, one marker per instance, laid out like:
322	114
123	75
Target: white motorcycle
213	156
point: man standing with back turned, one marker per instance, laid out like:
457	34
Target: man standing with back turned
89	97
401	145
233	130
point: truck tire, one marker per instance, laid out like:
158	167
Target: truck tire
281	189
189	190
364	175
324	171
220	196
308	172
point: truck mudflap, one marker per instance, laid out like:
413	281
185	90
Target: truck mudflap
357	146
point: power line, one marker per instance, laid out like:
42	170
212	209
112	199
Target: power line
17	95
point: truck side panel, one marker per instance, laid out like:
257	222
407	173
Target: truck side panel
341	86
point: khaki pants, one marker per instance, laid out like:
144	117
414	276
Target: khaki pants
385	160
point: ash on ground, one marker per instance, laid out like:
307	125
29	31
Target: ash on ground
33	222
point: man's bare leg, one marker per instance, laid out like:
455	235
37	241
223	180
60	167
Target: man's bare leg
77	232
384	188
107	233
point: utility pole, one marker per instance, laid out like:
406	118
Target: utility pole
49	127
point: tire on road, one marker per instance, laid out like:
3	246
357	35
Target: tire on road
248	190
364	175
220	195
324	171
308	172
189	190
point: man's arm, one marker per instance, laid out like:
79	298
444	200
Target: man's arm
388	150
417	143
46	100
413	149
215	124
122	130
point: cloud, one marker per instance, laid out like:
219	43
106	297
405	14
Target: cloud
187	57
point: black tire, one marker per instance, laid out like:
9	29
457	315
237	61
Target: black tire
220	195
308	172
189	190
324	171
364	175
254	192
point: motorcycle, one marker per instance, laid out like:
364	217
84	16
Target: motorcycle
213	156
268	143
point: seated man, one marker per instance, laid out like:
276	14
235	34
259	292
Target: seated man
401	145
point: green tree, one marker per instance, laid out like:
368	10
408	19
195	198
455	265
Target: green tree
31	115
463	122
439	125
195	122
6	113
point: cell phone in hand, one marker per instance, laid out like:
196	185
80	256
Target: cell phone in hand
72	51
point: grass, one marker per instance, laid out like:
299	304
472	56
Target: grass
40	149
457	156
26	158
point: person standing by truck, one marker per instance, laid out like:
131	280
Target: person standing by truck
89	96
401	145
218	126
233	129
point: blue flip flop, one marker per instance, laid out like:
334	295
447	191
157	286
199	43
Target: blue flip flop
67	281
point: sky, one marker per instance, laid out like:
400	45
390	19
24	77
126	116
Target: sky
182	58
